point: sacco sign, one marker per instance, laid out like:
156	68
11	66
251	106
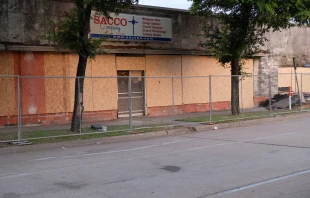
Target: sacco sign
131	27
109	21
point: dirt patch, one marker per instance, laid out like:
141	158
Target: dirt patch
4	144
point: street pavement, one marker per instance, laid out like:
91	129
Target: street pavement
264	160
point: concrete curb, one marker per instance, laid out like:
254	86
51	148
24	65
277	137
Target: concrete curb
104	140
245	123
149	135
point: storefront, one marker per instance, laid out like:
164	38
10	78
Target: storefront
156	48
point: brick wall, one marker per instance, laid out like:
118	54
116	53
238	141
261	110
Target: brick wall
187	108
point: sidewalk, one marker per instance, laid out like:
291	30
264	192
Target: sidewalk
136	121
188	128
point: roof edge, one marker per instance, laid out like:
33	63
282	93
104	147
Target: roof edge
160	8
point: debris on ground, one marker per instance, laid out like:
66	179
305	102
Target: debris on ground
99	127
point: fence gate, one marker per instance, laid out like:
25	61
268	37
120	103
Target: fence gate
137	93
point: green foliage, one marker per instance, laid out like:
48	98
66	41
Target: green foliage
72	31
238	27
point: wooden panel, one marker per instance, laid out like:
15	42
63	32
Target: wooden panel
196	90
101	93
8	89
130	63
159	90
56	93
32	89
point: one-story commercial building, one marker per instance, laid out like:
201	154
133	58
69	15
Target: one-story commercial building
157	46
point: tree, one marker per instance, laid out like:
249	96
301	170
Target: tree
72	33
237	30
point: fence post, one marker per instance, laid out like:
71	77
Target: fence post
173	112
210	97
301	94
269	83
19	113
80	106
130	102
242	112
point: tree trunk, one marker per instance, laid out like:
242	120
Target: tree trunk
235	71
78	95
78	108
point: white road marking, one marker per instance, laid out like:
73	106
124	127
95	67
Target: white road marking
203	147
60	168
108	152
134	149
237	142
178	141
270	136
89	154
161	144
263	182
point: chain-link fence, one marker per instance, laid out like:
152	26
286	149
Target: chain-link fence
9	112
305	91
288	97
69	108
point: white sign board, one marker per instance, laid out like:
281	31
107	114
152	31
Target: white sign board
131	27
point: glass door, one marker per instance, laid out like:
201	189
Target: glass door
137	93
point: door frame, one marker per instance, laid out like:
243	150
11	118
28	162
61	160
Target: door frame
143	94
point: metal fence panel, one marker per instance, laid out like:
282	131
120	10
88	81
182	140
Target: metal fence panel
106	105
9	99
221	98
192	100
305	91
42	107
259	88
282	86
46	107
161	99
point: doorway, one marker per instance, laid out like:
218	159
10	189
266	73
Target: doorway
137	93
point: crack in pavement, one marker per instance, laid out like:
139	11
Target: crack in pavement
268	144
256	184
280	145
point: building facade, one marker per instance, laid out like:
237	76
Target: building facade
170	72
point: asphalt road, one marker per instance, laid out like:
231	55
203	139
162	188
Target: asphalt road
265	160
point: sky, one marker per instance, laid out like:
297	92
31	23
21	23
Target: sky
181	4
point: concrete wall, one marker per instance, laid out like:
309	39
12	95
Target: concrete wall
21	19
283	46
286	44
22	22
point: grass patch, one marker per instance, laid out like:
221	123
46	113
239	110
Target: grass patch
8	136
119	131
47	136
245	116
76	137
